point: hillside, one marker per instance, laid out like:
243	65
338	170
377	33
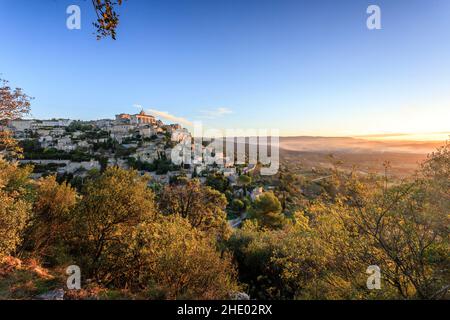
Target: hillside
363	155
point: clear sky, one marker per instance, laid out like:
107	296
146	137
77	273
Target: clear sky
305	67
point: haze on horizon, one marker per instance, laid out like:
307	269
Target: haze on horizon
306	68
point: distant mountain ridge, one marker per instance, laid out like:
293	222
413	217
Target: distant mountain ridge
355	145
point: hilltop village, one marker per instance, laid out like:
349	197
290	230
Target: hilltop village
73	149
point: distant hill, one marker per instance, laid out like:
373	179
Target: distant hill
362	155
356	145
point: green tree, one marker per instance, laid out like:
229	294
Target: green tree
203	206
244	181
267	210
111	207
237	205
218	182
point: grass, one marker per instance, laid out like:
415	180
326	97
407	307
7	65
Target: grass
24	279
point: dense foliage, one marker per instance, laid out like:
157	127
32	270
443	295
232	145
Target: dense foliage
324	249
174	242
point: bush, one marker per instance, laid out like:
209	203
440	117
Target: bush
13	217
15	205
237	205
169	259
51	218
112	206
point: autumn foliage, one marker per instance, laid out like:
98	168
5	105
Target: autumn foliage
133	240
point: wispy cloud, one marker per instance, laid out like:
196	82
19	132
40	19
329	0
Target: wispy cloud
215	113
166	115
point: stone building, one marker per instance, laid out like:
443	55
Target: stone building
140	118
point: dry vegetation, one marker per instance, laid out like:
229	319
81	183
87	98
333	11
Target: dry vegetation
303	239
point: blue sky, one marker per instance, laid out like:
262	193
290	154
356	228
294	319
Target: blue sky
305	67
